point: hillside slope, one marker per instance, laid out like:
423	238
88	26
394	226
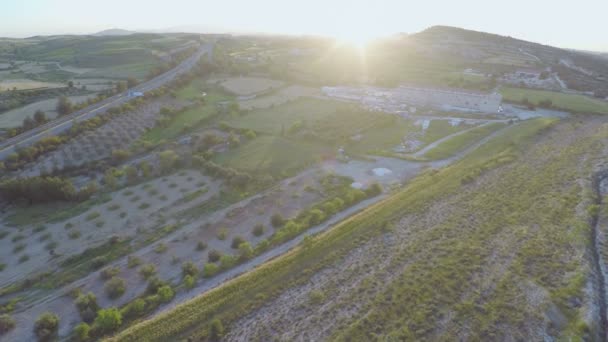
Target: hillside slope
496	247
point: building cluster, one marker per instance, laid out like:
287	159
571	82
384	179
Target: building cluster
405	98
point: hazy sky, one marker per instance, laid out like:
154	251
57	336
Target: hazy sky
578	24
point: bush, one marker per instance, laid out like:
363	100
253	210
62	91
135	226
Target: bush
236	241
2	266
147	270
24	258
216	330
75	234
115	287
109	272
46	326
81	332
18	248
201	246
189	269
134	309
277	220
189	281
160	248
6	323
92	216
50	245
107	321
214	255
165	293
258	230
154	284
210	269
222	234
87	306
245	251
133	261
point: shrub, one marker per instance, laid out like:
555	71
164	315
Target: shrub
3	234
44	237
223	233
236	241
214	255
245	251
160	248
134	309
24	258
109	272
68	225
201	246
227	261
46	326
81	332
113	207
316	297
92	216
277	220
75	234
50	245
189	269
39	228
210	269
6	323
18	248
133	261
87	306
2	267
108	320
154	284
165	293
147	270
123	215
144	206
18	237
216	329
189	281
258	230
99	224
115	287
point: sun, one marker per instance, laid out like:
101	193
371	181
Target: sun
357	40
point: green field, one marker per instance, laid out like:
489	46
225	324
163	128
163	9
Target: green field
274	155
462	141
186	119
569	102
411	305
279	118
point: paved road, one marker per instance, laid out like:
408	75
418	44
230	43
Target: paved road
63	124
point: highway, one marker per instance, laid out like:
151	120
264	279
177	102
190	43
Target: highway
64	123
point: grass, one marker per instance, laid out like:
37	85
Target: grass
462	141
186	119
241	295
569	102
274	155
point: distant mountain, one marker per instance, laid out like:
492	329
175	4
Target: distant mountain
114	32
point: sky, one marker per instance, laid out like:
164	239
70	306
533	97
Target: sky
577	24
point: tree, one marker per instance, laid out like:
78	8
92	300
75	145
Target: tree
81	332
46	326
189	269
120	155
6	323
121	87
131	173
87	306
245	251
277	220
131	82
110	180
165	293
64	106
115	287
108	320
168	159
40	117
146	169
216	330
236	241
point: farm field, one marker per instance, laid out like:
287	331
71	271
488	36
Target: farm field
384	253
21	84
274	155
460	142
188	118
14	117
245	86
570	102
